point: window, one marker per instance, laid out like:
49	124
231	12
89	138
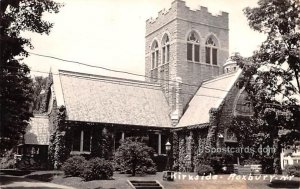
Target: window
243	105
166	49
193	47
295	161
230	136
81	140
211	52
153	142
154	54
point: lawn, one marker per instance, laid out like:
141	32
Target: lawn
219	181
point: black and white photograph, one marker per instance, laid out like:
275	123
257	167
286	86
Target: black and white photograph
150	94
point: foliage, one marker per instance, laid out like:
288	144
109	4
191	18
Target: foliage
293	170
214	160
106	144
182	152
271	75
203	169
15	102
17	16
60	138
40	94
7	160
135	157
97	168
175	151
74	166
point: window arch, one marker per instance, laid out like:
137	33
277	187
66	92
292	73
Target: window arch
211	51
165	49
242	104
154	54
193	47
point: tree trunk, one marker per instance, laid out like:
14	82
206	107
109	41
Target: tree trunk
276	163
133	169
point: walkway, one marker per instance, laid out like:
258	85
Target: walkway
15	182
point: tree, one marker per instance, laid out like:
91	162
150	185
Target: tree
134	157
271	75
39	94
17	16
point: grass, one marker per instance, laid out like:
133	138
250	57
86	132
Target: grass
120	181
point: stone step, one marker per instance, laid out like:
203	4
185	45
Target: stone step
143	181
137	184
148	187
145	184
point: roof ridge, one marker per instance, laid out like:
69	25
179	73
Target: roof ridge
222	76
103	77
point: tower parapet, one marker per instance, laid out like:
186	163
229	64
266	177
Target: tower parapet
179	10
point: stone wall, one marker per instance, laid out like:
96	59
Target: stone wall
37	131
226	112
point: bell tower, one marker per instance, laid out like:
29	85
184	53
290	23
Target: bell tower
183	48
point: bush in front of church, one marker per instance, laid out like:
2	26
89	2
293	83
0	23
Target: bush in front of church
134	157
293	170
74	166
203	170
98	169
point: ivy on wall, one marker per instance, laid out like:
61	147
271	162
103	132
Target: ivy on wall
60	138
106	144
175	151
96	150
182	152
192	143
214	114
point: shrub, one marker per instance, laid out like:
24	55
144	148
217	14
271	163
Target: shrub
74	166
98	168
293	170
134	157
7	160
215	160
202	169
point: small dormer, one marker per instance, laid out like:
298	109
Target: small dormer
230	65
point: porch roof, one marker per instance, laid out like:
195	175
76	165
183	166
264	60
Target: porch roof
102	99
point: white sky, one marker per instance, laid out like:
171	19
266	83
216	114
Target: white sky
111	33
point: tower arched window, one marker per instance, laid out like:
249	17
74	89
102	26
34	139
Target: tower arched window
211	51
193	47
165	49
154	54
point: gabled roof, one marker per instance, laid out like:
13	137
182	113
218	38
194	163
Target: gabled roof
102	99
208	97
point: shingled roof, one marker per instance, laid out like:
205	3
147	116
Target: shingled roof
102	99
208	97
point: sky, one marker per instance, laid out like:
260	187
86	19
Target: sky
111	34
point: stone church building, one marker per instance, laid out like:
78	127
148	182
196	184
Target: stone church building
188	98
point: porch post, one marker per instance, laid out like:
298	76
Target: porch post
159	143
123	135
81	141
